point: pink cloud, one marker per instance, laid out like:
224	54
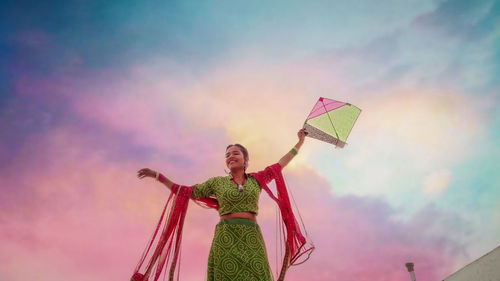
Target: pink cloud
356	238
80	207
75	212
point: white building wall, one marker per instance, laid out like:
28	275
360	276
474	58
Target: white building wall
486	268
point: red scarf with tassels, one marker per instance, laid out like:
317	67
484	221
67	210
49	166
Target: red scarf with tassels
168	243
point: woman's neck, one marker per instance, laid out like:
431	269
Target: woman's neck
238	175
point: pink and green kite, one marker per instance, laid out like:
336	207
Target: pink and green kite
331	121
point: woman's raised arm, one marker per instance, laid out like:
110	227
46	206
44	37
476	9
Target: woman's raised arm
289	155
146	172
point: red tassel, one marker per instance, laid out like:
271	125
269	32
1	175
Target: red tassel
137	277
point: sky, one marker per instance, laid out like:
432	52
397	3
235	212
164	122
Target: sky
92	91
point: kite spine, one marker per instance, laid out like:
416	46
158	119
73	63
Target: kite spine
331	122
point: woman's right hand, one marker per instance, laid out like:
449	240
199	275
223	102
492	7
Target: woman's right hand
146	172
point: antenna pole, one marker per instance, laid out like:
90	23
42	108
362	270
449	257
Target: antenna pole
409	266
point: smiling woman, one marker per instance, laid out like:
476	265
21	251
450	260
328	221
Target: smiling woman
238	251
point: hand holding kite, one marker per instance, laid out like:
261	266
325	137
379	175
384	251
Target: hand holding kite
302	135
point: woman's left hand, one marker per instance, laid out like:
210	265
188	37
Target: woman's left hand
302	134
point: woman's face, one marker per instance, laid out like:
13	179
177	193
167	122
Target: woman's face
235	158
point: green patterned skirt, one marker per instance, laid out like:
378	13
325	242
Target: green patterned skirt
238	252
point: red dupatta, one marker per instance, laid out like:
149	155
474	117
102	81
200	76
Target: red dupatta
167	245
297	245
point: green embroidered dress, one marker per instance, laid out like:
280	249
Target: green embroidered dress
238	251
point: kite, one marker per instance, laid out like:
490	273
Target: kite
331	121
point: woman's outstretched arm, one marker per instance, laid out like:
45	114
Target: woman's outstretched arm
289	155
146	172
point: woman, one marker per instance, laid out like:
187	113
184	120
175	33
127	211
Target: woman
238	251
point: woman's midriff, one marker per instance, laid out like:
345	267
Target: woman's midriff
239	215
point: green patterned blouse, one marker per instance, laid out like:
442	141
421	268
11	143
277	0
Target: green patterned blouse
226	193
